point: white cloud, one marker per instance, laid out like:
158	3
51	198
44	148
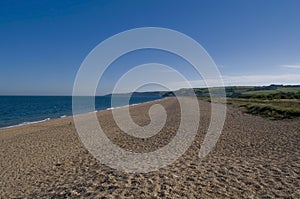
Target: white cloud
262	79
247	80
291	66
175	83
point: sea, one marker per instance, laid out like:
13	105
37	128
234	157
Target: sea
24	110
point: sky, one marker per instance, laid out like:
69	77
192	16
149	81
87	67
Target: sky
43	43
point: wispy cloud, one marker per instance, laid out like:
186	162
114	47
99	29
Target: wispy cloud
291	66
170	82
247	80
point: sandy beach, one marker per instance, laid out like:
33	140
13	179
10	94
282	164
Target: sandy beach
254	158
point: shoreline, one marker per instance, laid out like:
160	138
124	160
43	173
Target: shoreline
48	159
71	116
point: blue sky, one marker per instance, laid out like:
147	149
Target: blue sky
42	43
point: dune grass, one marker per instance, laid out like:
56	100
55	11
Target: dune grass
271	109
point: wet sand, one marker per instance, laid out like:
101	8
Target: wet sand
254	158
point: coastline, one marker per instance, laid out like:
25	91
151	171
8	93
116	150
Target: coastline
47	159
70	116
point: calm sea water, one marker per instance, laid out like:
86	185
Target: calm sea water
21	110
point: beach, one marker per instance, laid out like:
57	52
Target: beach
253	158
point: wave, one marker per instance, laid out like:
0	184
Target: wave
26	123
111	108
57	115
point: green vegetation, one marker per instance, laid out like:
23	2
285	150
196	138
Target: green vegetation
265	92
273	102
271	109
254	92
